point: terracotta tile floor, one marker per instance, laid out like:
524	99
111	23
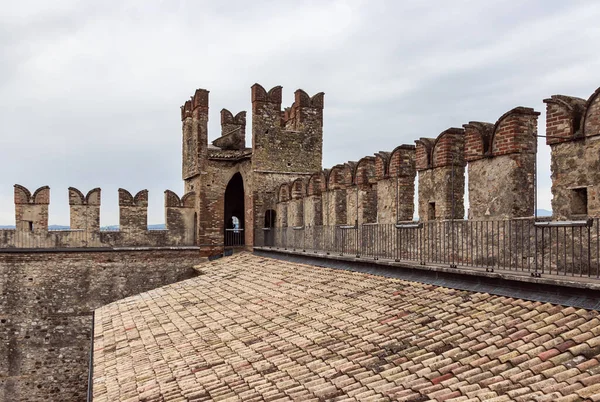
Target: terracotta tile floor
257	329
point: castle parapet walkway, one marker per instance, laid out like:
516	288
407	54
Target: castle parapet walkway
524	248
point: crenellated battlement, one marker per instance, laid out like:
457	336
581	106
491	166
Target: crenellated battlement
233	131
85	210
261	98
282	176
31	210
305	110
31	216
572	131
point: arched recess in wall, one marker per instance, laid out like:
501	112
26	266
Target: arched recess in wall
269	227
234	211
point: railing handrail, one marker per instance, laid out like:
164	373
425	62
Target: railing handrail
524	245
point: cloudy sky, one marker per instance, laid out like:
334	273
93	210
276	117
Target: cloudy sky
90	90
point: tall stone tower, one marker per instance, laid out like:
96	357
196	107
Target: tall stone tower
287	144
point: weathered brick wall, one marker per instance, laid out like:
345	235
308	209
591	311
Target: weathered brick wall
286	145
180	217
211	219
290	141
85	221
313	210
133	211
282	214
84	210
31	210
591	122
435	187
395	173
296	212
334	207
194	117
501	165
441	167
573	133
45	313
386	201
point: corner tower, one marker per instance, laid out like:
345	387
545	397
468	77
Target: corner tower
287	144
194	117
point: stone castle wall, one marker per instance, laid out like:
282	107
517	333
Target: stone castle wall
46	308
573	133
31	215
499	159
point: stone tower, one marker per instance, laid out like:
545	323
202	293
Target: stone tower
233	184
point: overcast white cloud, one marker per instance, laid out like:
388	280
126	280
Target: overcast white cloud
90	91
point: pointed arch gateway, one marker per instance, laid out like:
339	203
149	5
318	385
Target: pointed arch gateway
234	212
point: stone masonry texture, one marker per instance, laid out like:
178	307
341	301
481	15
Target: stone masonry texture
501	165
251	328
46	304
573	133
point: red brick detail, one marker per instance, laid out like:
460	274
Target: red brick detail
316	184
200	99
515	132
402	162
340	176
423	153
449	148
591	123
298	189
477	140
22	195
381	164
186	110
365	172
261	97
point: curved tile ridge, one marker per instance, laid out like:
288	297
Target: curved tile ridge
253	328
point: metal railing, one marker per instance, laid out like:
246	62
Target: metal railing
234	237
565	248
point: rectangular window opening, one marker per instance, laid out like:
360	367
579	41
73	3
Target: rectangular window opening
579	201
431	211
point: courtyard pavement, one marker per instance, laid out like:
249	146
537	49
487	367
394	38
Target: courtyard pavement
252	328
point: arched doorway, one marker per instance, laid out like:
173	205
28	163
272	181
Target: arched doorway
234	212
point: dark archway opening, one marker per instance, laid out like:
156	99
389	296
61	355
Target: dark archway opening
234	212
269	228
